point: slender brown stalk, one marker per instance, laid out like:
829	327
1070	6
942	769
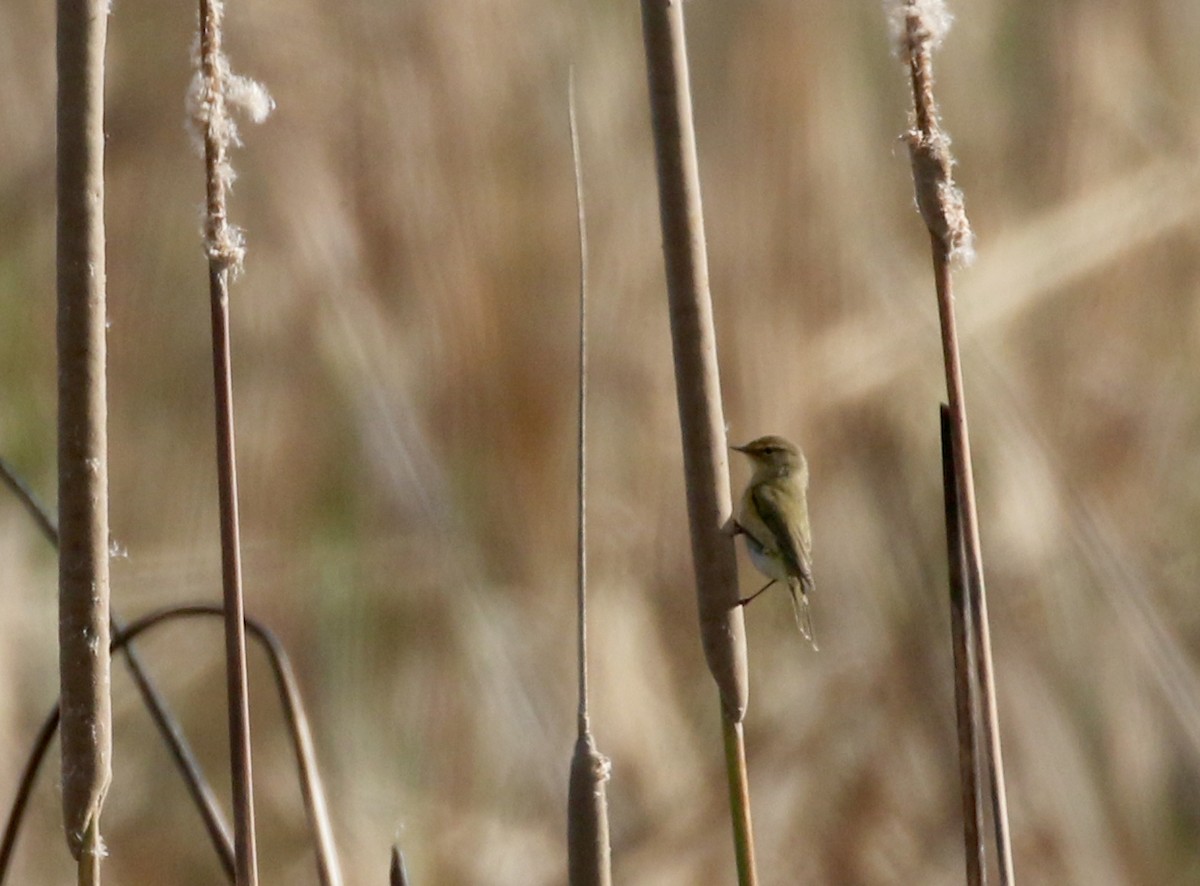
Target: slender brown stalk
698	390
923	24
168	725
981	631
221	257
231	574
314	797
83	590
966	702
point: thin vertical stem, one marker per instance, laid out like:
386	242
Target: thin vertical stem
231	567
581	443
739	800
93	851
941	206
589	850
964	477
83	586
231	577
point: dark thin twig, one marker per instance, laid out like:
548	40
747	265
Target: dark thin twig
168	725
314	796
966	702
397	875
219	264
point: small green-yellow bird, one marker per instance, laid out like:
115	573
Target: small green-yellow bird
774	519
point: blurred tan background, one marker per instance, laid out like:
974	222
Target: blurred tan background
405	358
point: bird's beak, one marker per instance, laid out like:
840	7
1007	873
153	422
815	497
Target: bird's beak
738	448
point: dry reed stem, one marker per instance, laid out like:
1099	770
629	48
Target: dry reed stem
966	691
328	869
940	204
168	726
698	390
224	253
589	853
83	589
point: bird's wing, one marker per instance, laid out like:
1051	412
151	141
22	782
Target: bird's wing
794	537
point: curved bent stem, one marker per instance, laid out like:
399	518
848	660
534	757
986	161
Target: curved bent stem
316	808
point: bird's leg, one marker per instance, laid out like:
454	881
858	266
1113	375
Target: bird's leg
756	593
733	528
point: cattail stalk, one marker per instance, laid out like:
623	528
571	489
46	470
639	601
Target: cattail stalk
920	25
698	390
224	253
693	337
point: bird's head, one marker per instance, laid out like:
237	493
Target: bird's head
776	455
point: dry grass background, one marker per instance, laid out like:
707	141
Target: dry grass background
405	366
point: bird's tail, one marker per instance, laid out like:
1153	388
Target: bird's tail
803	613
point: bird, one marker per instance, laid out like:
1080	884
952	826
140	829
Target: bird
774	518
